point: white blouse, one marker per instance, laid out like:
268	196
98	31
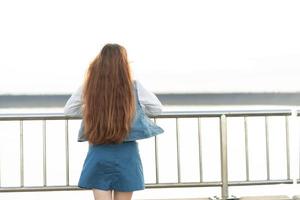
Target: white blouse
150	103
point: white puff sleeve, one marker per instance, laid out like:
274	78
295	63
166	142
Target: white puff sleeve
73	106
150	103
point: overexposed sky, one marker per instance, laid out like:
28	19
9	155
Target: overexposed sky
174	45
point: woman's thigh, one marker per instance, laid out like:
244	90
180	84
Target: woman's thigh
102	194
122	195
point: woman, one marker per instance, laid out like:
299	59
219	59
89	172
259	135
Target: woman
108	101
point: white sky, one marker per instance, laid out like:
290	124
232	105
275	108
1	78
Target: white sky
175	46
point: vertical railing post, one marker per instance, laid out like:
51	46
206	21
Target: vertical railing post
267	147
0	166
246	147
67	152
21	155
156	158
44	154
200	150
287	145
223	148
178	151
299	156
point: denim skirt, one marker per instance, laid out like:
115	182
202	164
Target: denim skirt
113	167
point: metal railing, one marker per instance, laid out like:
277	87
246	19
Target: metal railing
298	179
222	117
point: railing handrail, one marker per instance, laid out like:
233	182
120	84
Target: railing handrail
224	183
165	114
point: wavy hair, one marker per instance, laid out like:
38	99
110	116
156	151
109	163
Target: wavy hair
108	98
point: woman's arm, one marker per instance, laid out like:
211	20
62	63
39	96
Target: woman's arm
150	103
73	106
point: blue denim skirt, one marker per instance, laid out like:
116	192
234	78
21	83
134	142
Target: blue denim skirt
113	167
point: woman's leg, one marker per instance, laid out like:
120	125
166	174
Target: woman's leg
102	194
122	195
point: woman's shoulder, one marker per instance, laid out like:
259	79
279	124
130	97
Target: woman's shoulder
135	82
139	86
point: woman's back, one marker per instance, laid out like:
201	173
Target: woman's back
150	103
142	127
113	110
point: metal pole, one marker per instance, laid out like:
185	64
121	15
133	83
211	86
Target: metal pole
156	158
67	152
246	148
178	151
287	147
200	150
21	155
267	147
224	164
0	164
44	154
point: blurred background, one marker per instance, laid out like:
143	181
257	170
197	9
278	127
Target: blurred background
174	46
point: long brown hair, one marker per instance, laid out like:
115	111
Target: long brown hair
108	98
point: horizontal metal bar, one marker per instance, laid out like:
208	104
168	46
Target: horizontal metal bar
215	183
231	113
169	114
36	116
262	182
38	188
149	185
182	185
73	187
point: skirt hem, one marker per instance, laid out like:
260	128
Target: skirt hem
112	188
